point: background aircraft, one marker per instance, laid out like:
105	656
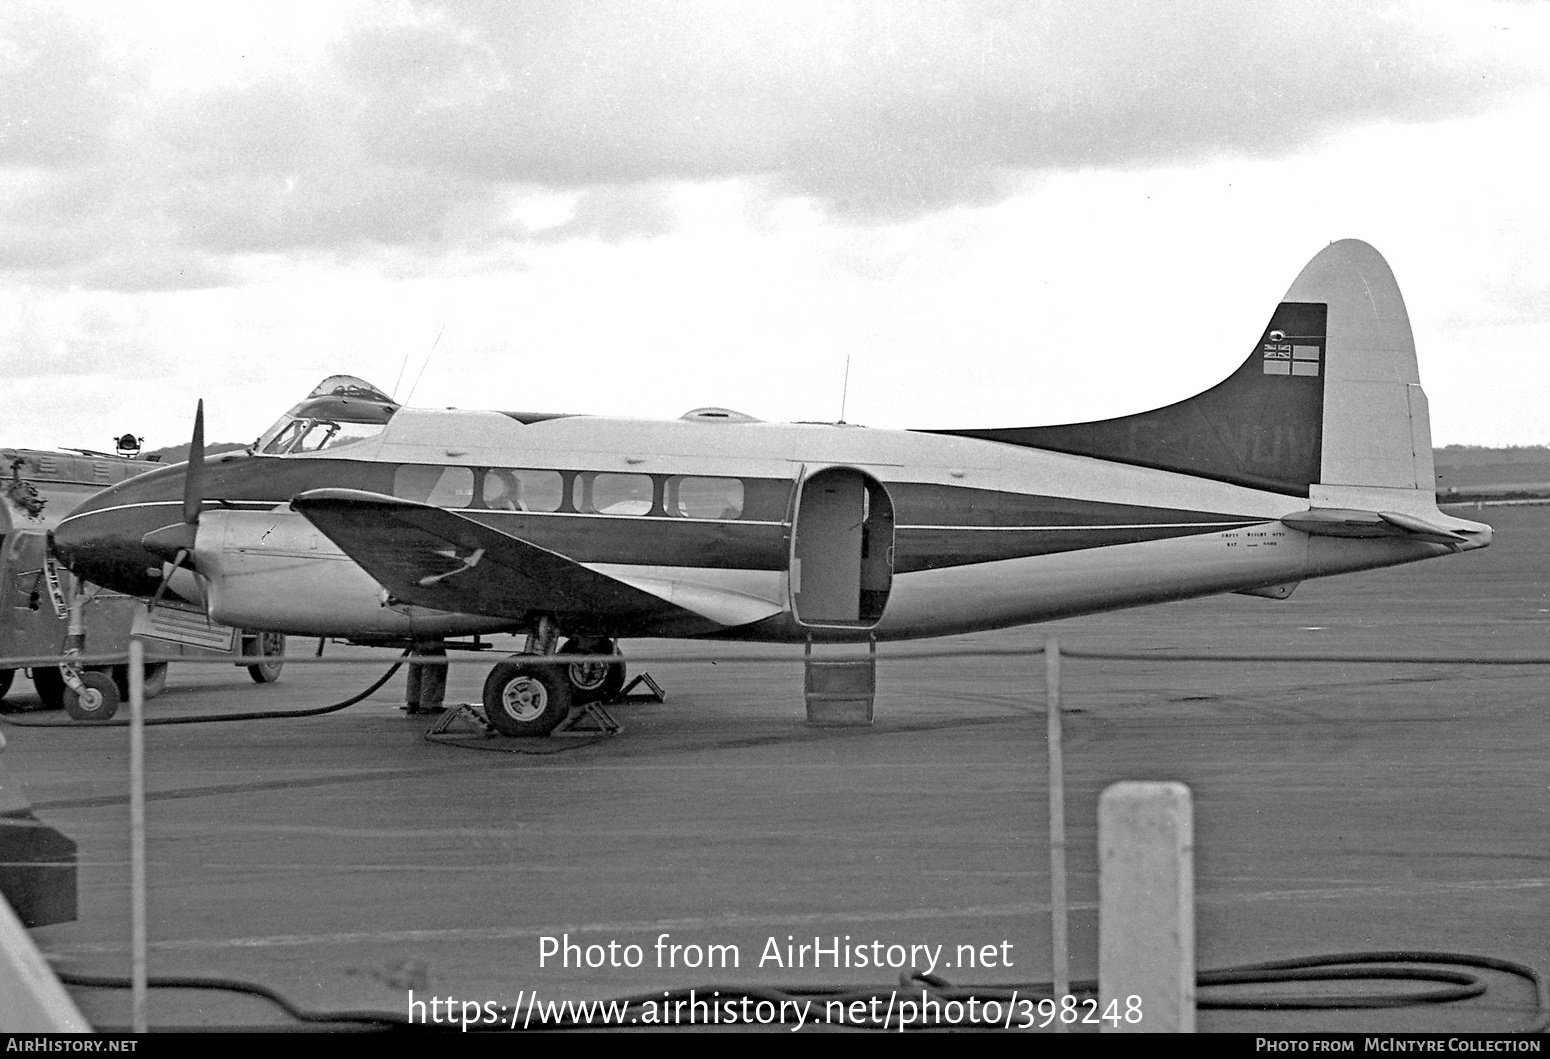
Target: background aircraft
354	517
39	489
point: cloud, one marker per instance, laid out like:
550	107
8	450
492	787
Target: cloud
57	92
133	274
418	127
635	211
912	105
78	334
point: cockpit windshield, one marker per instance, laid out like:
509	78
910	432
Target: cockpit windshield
340	411
310	435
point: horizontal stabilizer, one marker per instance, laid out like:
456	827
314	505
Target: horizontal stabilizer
1341	522
1418	527
431	557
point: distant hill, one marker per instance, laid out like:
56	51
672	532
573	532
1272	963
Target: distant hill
1470	472
1481	455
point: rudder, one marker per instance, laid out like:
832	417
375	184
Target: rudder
1377	430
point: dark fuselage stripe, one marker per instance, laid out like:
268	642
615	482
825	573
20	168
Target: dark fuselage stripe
645	540
936	525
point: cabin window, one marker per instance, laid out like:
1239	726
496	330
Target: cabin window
437	486
694	497
523	490
614	494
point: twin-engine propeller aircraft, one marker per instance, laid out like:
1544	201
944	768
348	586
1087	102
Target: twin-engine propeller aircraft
354	517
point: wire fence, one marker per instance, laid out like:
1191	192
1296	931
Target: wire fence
794	653
1050	651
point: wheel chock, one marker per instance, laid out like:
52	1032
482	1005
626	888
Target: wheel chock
653	692
462	711
587	719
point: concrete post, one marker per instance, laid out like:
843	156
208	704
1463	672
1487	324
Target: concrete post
1146	908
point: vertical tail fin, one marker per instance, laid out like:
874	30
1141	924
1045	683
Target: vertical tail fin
1377	433
1328	401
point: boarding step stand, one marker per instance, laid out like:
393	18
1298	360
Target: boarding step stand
593	718
840	692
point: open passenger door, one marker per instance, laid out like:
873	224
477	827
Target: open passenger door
842	539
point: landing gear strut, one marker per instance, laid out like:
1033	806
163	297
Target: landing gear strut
88	694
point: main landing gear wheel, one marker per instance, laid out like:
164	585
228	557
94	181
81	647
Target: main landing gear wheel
521	698
269	645
98	699
593	681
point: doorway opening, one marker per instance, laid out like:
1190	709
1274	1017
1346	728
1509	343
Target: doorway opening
842	549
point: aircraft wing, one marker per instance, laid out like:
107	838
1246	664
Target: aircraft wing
430	557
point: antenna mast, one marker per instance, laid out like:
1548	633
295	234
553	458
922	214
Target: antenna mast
845	388
428	357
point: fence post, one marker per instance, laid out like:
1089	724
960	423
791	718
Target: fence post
138	1023
1060	973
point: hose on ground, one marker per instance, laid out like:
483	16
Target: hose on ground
917	987
216	718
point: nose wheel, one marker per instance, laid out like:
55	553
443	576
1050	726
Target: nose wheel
95	700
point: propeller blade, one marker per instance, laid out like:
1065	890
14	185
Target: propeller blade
161	589
194	474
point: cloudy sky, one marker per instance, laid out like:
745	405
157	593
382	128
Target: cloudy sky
1003	212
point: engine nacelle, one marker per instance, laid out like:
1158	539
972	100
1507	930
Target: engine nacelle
273	571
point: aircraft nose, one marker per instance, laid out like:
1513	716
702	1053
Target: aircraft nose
70	541
105	548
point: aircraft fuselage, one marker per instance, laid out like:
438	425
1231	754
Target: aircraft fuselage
834	531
